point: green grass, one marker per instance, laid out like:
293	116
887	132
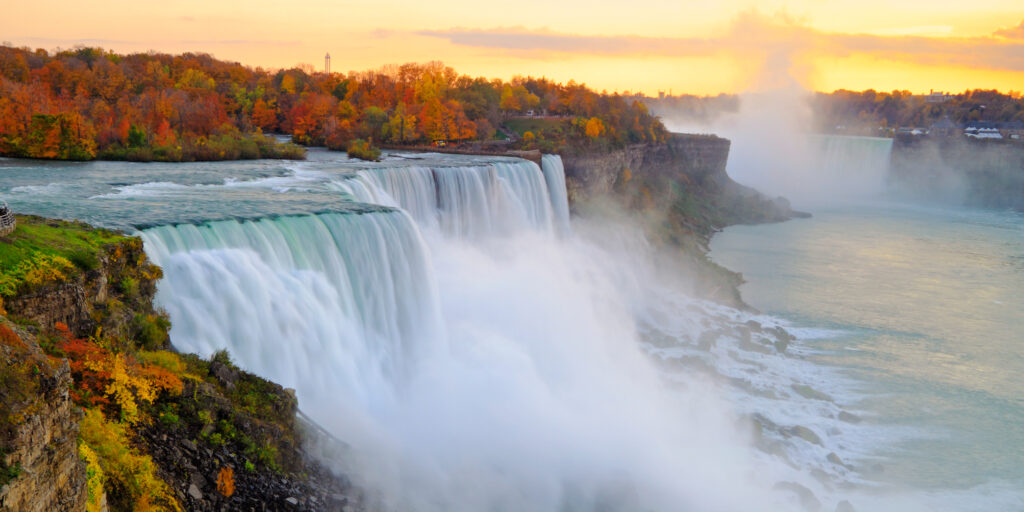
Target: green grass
78	242
36	241
522	125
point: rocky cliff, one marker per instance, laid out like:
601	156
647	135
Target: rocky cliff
97	414
682	193
39	465
981	173
105	289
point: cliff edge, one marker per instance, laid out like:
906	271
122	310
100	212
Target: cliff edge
97	413
682	193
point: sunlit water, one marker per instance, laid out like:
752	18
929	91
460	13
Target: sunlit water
924	308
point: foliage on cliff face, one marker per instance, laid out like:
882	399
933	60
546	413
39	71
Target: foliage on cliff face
42	251
117	390
94	478
87	103
117	382
129	476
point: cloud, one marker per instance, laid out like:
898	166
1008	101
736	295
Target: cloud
70	43
760	37
519	39
1012	32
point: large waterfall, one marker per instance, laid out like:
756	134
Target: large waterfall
435	313
471	359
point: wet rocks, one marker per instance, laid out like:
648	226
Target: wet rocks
803	433
849	417
811	393
808	501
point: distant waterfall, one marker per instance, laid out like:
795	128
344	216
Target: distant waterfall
465	202
284	294
811	171
856	165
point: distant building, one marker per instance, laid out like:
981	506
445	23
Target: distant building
905	130
937	97
944	128
1012	130
982	130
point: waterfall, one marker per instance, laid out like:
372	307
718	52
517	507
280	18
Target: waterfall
857	166
464	202
488	366
285	294
812	171
554	175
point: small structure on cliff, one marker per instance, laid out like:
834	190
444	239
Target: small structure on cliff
7	222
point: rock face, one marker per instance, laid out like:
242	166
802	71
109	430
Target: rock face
982	173
225	419
123	282
211	433
697	157
41	445
686	169
682	193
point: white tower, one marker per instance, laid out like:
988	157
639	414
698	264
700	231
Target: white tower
327	63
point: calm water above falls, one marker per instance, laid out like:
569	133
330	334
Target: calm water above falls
925	308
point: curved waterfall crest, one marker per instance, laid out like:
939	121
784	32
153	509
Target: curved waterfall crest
470	202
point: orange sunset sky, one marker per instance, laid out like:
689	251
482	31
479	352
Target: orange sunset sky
700	47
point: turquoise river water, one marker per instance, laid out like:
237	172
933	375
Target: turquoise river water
922	307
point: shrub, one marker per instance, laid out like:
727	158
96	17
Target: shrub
150	330
130	476
226	481
165	359
38	269
363	150
93	478
223	357
85	260
129	286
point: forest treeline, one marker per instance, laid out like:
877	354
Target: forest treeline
872	109
88	103
861	111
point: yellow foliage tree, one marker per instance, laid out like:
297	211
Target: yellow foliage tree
125	386
124	468
93	478
594	128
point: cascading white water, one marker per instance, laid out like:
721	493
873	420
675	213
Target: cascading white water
859	166
466	202
284	295
506	375
554	175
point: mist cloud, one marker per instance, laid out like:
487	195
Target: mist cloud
760	35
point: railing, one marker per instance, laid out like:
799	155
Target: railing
7	222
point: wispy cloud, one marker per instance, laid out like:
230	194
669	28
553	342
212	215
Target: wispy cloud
755	35
68	43
1012	32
